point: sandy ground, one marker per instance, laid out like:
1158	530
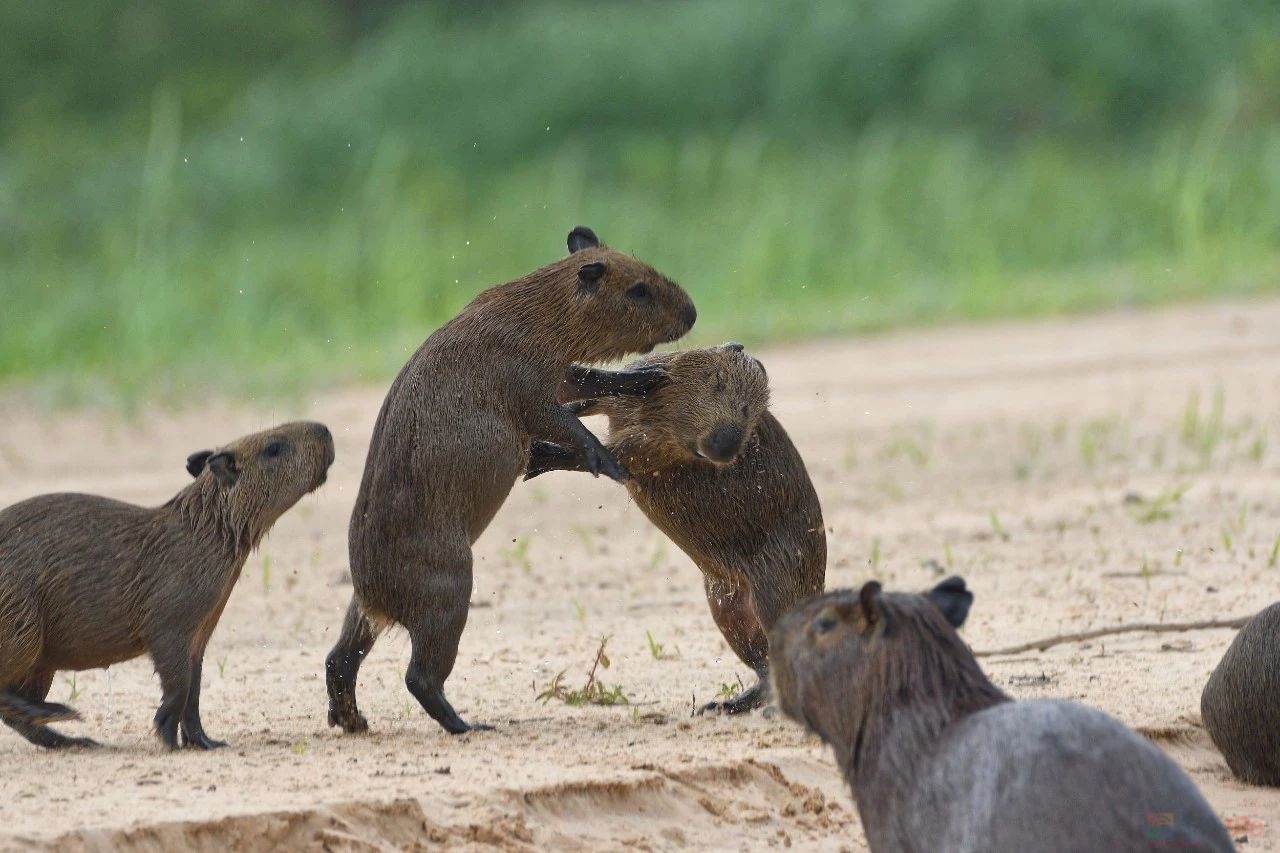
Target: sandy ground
1078	473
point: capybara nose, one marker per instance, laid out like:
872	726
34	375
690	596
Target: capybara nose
723	443
322	431
689	315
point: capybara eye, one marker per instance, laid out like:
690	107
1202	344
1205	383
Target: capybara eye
274	449
823	624
639	292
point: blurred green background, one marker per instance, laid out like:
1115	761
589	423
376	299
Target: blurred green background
247	195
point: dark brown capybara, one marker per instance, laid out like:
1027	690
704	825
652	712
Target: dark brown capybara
453	436
940	759
87	582
1240	704
714	470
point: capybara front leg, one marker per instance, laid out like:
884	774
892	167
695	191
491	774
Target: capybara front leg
581	382
173	665
342	667
192	730
558	425
733	609
24	710
545	456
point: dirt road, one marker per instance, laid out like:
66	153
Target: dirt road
1079	474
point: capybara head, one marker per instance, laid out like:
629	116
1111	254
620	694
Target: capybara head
707	408
840	657
630	306
266	473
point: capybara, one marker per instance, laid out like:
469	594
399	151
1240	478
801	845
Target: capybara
1240	704
453	436
714	470
86	581
940	759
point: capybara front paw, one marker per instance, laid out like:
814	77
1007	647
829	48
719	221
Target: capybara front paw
352	722
601	461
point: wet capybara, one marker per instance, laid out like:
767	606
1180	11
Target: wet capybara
1240	704
453	436
714	470
86	581
938	758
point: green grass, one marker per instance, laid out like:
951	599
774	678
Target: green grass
801	170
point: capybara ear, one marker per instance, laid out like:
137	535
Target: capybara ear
733	346
589	275
952	599
223	466
196	462
582	237
869	598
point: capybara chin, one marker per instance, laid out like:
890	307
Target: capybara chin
938	758
717	473
1240	704
454	434
86	581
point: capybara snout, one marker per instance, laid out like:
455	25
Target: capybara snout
86	581
279	465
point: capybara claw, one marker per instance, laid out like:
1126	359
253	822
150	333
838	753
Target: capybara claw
203	741
349	723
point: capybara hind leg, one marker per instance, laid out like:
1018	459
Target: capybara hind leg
342	667
193	733
26	712
174	668
435	634
733	610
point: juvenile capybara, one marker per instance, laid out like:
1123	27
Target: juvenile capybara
714	470
453	436
1240	704
86	581
940	759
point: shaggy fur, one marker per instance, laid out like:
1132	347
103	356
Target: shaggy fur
1240	704
939	759
717	473
453	436
86	582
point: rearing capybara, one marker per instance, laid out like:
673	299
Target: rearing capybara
453	436
1240	704
714	470
940	759
86	581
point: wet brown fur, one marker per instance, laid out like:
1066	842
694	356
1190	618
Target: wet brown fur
938	757
453	436
717	473
86	581
1239	703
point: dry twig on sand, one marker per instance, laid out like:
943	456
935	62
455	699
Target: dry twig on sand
1144	627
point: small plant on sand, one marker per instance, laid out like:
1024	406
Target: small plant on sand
222	666
997	528
1275	553
75	689
266	573
594	692
1158	508
299	746
519	552
728	691
656	649
659	551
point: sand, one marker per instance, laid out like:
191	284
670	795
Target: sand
1079	473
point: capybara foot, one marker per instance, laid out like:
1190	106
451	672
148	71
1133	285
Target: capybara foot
599	460
49	739
343	712
470	727
200	740
166	724
433	701
748	700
